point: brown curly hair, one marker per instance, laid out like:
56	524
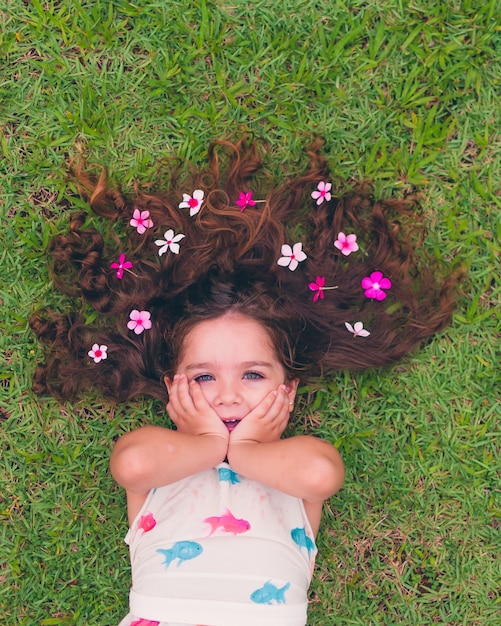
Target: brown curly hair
228	262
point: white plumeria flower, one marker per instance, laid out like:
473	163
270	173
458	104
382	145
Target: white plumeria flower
98	353
292	256
169	242
357	329
194	202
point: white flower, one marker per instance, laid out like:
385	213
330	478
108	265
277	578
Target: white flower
194	202
357	329
98	353
169	242
323	192
292	256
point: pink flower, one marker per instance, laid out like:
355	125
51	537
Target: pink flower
318	288
291	256
144	622
322	192
194	202
147	522
374	285
121	266
169	242
141	221
139	321
346	243
245	200
98	353
357	329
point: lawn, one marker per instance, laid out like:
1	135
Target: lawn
406	94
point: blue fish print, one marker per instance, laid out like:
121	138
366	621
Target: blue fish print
269	593
226	474
181	550
300	538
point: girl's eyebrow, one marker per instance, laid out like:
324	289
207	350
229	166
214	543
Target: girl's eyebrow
245	365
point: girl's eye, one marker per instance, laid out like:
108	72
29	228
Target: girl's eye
253	375
203	378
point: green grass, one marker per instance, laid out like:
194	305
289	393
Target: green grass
405	93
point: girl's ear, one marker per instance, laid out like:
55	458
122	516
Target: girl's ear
168	383
291	388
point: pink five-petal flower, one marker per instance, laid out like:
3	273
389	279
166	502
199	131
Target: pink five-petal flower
98	353
194	202
374	285
291	256
121	266
169	242
318	288
141	221
245	200
357	329
346	243
139	321
323	192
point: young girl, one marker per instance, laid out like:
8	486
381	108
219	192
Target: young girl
219	296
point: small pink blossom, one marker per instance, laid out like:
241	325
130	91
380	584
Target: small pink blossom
318	288
141	221
121	266
291	256
245	200
98	353
194	202
139	321
346	243
323	192
144	622
169	242
374	285
357	329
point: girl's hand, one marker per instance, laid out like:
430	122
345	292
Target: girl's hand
191	412
266	422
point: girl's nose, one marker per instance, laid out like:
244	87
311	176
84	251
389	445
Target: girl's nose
227	394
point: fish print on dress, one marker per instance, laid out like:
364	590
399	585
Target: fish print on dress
301	539
181	550
144	622
269	593
228	523
147	522
226	474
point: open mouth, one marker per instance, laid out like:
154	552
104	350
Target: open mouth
231	424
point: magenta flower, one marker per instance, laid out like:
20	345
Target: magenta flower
121	266
245	200
357	329
144	622
318	288
346	243
374	285
98	353
291	256
323	192
141	221
139	321
194	202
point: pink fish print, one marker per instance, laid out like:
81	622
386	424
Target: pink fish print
228	523
146	523
144	622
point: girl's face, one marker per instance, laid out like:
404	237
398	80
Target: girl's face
233	360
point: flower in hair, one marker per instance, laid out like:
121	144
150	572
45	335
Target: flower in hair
291	257
357	329
141	221
194	202
139	321
121	266
319	287
98	353
346	243
245	200
323	192
374	285
169	242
